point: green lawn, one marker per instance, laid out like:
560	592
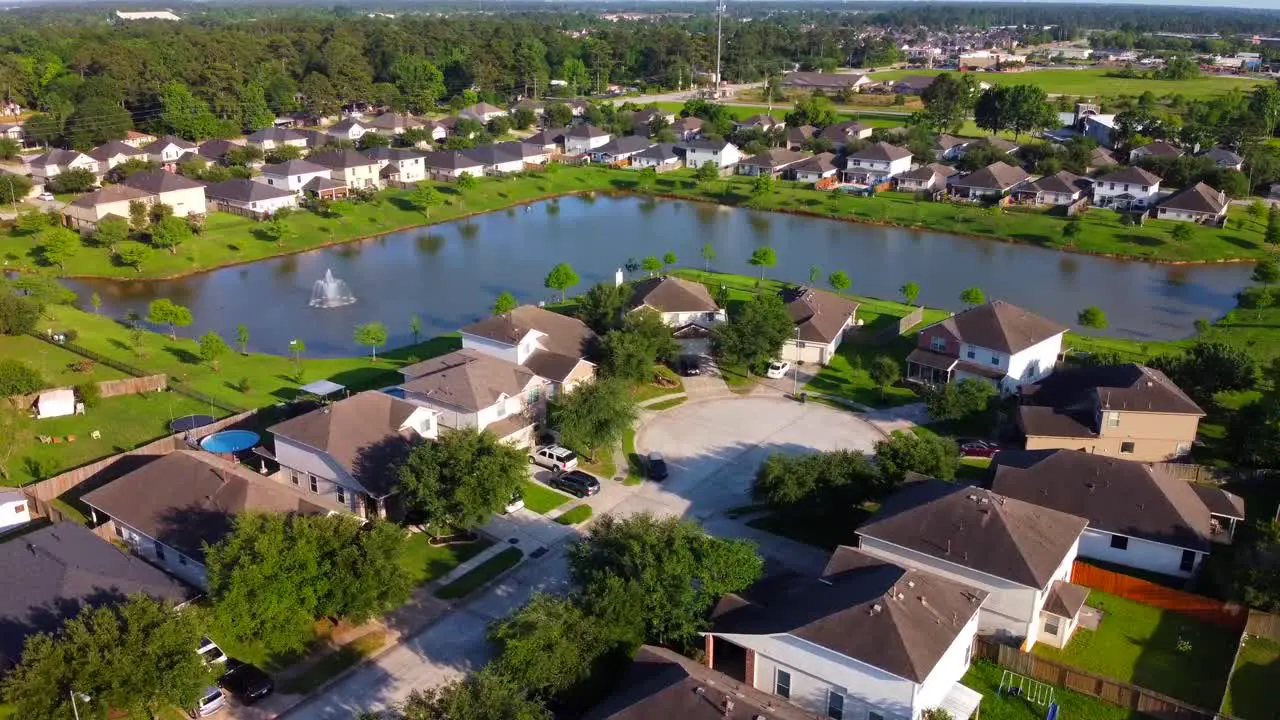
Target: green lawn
540	498
334	664
1093	82
425	562
483	573
1139	644
648	391
53	362
972	470
575	515
667	404
1252	692
781	108
635	466
985	678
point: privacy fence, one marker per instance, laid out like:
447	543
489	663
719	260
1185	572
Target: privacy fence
1225	614
106	388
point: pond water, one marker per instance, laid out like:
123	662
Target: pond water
448	275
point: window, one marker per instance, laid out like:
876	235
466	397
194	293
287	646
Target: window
502	408
971	354
293	477
782	684
1119	542
938	344
1051	625
835	705
873	715
995	360
20	508
534	393
159	552
1113	419
1126	447
315	484
1188	562
119	531
342	495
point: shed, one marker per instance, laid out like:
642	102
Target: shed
56	403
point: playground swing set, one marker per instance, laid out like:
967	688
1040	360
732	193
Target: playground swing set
1033	691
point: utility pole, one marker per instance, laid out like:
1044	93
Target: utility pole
719	35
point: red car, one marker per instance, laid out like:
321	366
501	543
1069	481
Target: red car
979	448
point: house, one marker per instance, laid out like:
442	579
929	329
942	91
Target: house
682	304
722	153
1101	157
394	123
215	150
168	151
15	509
1157	149
497	160
472	389
773	162
933	176
1139	516
687	128
532	154
246	197
913	84
876	163
136	139
13	131
1130	188
49	575
537	107
49	165
552	345
829	83
841	133
355	170
1007	147
173	507
797	138
763	123
482	112
621	149
1061	188
949	147
275	138
113	153
821	319
816	168
1100	128
649	114
399	167
584	138
341	453
867	639
1016	551
86	211
184	195
661	683
349	130
1128	411
1198	203
449	165
997	342
662	156
292	175
551	140
1224	158
989	184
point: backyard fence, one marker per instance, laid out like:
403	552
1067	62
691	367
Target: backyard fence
911	319
106	389
1263	624
1229	615
1106	689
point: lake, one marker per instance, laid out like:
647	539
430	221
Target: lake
448	275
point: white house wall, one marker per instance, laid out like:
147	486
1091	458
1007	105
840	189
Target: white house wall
953	665
1034	363
503	351
174	562
14	512
1141	554
185	202
294	183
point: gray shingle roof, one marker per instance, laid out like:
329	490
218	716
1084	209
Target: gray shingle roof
1198	198
1131	175
996	176
113	148
159	181
451	160
1130	386
882	151
820	316
999	325
275	135
466	379
672	294
293	167
1062	182
108	194
341	159
624	145
561	334
243	190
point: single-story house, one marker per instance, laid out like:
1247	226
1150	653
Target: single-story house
934	176
1224	158
168	151
49	165
394	123
551	140
86	211
215	150
816	168
532	154
246	197
990	183
274	138
821	319
662	156
350	130
1101	157
451	164
138	139
184	195
1198	203
482	112
497	160
829	83
760	122
620	149
1157	149
774	162
1061	188
113	153
537	107
912	84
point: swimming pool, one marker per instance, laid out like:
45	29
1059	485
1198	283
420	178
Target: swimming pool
230	441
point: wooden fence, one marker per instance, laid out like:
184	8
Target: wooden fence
1229	615
1106	689
1263	624
911	320
106	389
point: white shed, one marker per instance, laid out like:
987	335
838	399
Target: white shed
56	403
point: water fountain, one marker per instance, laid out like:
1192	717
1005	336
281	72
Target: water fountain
330	292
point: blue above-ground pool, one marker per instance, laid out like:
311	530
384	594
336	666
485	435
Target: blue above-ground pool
230	441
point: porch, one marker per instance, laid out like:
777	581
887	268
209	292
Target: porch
1063	612
926	367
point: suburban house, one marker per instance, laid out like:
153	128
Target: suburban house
340	453
868	639
687	128
797	138
353	169
913	84
86	211
1101	157
763	123
1157	149
642	120
482	112
995	142
537	107
216	150
138	139
49	165
620	149
997	342
774	162
532	154
1198	204
292	175
1126	411
1061	188
393	123
246	197
722	153
471	389
113	153
584	138
551	140
1224	158
991	183
496	160
49	575
15	509
821	319
842	132
276	138
1017	552
169	509
876	163
168	151
552	345
398	166
684	305
1130	188
449	165
350	130
816	168
13	131
184	195
660	157
934	176
829	83
1139	516
949	147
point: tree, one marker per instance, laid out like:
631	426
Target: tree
651	264
420	82
14	189
593	415
139	215
1071	231
372	334
558	114
184	114
1266	272
562	277
212	347
31	222
815	272
966	398
814	110
504	303
826	485
931	455
75	180
948	100
466	182
132	254
242	338
484	695
9	149
910	292
18	378
839	281
707	172
668	259
523	118
672	563
415	327
1257	565
972	296
15	433
1256	209
256	113
1020	108
18	315
630	351
134	657
762	185
164	311
884	372
95	301
169	233
755	336
708	256
459	480
1272	234
763	257
424	197
1181	233
601	307
57	245
111	232
1208	368
1092	317
276	230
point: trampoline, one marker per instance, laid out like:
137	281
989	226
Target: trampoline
189	422
230	441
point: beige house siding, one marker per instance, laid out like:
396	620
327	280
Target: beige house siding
1149	450
184	202
809	352
86	218
355	178
583	372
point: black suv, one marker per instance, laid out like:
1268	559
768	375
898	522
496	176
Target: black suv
246	682
577	483
690	365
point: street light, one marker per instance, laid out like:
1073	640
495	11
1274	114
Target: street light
74	695
795	371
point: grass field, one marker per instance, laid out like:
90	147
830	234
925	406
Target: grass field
53	362
780	110
425	562
481	574
1251	694
1093	82
985	678
541	499
575	515
335	663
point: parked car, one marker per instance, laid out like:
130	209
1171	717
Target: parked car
210	652
210	702
778	369
690	365
555	457
657	466
576	483
517	503
47	196
978	448
248	683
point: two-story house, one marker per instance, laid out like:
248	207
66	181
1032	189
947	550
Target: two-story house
350	130
1017	552
552	345
868	639
353	169
687	128
449	165
171	508
49	165
339	453
168	151
399	167
721	153
471	389
293	175
1126	411
997	342
270	139
184	195
113	153
1139	516
876	163
821	319
684	305
584	138
1130	188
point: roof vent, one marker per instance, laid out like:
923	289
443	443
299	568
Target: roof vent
911	583
901	596
875	609
699	690
974	498
728	706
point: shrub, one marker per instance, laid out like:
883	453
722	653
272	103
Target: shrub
18	315
81	366
89	394
71	334
18	378
244	385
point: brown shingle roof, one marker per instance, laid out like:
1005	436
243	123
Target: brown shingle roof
893	618
1131	175
113	148
672	294
819	315
999	325
927	172
882	151
563	335
1221	502
1159	148
1115	496
108	194
978	529
1062	182
159	181
467	379
774	158
996	176
1065	599
1130	387
1198	198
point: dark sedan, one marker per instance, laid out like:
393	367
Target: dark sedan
246	682
979	449
577	483
657	466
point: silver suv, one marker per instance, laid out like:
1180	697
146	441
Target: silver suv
555	457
